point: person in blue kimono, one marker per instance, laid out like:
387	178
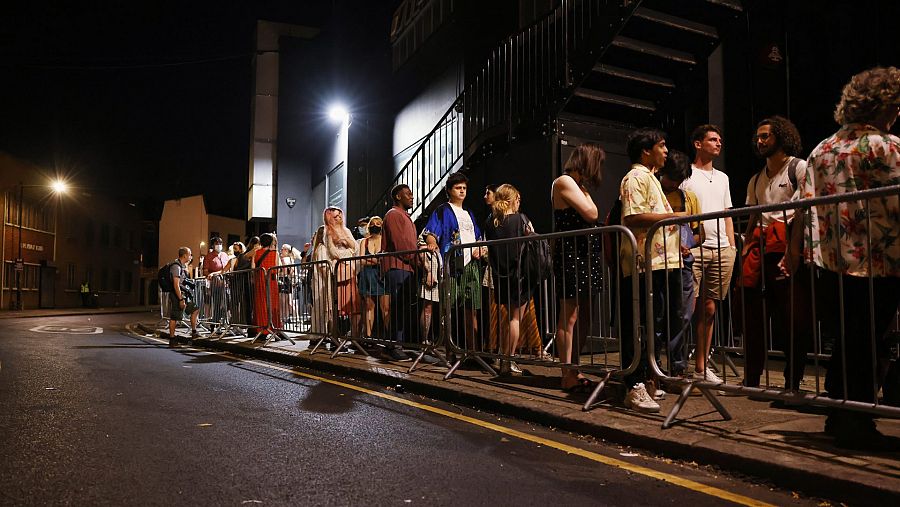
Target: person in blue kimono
450	225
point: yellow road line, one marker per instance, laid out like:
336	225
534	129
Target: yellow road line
593	456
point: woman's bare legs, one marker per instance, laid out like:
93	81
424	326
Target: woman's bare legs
370	314
568	345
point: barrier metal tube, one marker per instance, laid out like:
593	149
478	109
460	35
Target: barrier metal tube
516	286
816	311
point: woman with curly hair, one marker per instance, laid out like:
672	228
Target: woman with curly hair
861	155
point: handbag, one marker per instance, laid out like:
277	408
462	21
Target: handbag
535	262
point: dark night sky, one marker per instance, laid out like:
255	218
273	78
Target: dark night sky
150	100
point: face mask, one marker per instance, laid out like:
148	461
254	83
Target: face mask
362	230
218	248
375	230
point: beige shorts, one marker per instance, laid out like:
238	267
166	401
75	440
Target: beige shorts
712	271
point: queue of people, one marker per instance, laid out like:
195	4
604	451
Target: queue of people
387	276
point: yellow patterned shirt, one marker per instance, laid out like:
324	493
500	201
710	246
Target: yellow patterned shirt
641	193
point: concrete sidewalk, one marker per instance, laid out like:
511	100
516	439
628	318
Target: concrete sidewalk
786	447
68	312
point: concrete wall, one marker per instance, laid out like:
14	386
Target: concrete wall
226	226
183	222
421	114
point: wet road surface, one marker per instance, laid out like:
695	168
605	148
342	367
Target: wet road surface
93	414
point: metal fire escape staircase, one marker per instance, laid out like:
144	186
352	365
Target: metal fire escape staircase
621	62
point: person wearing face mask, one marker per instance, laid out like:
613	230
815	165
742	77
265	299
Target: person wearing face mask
371	285
216	260
214	264
360	231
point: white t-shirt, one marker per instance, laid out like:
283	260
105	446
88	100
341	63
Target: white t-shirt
764	190
466	230
714	194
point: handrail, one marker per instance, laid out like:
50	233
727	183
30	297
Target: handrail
528	75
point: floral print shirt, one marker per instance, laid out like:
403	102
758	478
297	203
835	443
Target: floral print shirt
641	193
857	157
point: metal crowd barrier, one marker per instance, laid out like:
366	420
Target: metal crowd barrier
387	301
801	318
237	304
579	273
305	300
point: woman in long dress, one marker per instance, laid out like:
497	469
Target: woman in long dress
340	244
266	257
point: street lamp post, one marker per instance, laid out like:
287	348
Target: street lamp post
59	186
20	264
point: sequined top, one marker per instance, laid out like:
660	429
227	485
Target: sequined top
576	259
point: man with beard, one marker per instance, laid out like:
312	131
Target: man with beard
778	142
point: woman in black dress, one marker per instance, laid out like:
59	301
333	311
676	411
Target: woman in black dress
511	290
575	264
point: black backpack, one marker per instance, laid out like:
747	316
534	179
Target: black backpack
164	278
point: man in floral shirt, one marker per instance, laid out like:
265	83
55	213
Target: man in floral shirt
856	242
643	204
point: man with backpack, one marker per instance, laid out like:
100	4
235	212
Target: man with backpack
778	142
174	278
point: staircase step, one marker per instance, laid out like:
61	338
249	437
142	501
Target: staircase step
676	22
633	75
618	100
654	50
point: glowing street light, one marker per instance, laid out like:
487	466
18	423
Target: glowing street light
338	114
58	187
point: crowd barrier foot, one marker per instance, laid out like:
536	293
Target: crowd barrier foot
320	342
486	368
346	342
429	348
592	399
706	391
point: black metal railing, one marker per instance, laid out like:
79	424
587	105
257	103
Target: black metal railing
525	79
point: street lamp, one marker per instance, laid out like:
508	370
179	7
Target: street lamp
58	187
338	113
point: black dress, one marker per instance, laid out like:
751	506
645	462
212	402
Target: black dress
504	260
576	259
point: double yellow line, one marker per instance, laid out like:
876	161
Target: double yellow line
593	456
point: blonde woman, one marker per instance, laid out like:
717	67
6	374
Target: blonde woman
340	244
371	285
512	291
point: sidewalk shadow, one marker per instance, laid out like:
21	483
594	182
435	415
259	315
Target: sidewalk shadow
820	441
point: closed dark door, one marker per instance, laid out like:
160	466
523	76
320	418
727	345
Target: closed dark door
48	287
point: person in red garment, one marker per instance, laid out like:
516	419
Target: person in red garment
266	257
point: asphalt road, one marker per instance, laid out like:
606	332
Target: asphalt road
111	419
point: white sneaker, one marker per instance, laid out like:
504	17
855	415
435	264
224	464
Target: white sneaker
638	399
513	367
708	375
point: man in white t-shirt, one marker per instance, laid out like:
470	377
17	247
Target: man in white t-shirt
778	142
714	258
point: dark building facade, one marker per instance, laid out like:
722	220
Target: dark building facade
67	239
505	90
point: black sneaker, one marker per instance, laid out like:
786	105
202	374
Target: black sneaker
195	334
173	342
397	354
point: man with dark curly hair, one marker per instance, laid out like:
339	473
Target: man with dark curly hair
855	244
765	243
